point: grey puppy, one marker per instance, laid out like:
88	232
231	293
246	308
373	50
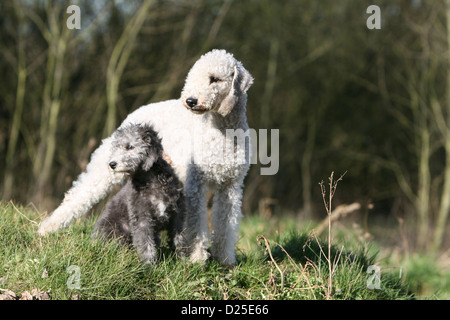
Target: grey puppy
152	199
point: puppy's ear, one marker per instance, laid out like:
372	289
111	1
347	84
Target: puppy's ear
242	80
148	162
154	150
149	136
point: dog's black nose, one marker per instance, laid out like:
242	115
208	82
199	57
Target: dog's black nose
191	102
113	165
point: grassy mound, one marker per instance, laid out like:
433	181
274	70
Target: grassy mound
69	265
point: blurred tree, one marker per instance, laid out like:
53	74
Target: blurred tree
118	61
413	80
57	36
18	60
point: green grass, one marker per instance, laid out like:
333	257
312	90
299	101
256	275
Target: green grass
296	267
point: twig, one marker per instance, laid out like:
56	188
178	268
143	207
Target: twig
332	190
267	246
302	271
21	213
340	212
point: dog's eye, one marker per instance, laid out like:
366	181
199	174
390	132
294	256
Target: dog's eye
129	147
213	79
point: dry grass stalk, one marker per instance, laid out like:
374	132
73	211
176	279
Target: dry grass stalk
293	263
332	185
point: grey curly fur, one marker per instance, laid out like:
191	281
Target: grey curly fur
151	200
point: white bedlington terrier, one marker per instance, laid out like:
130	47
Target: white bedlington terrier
198	133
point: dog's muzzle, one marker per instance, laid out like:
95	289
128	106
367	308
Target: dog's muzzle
192	104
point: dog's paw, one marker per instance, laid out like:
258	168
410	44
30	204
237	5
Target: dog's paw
148	254
199	255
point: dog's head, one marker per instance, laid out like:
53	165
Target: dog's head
135	147
215	83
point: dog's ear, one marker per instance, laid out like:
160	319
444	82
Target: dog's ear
149	136
154	151
146	135
148	162
242	80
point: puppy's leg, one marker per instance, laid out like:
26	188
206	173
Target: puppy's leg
143	233
91	187
114	221
144	240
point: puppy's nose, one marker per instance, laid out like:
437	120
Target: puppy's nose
191	102
113	165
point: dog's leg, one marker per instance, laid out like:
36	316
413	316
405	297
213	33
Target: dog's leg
176	228
146	242
197	231
226	216
145	239
90	187
114	221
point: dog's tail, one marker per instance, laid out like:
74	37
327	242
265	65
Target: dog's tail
90	187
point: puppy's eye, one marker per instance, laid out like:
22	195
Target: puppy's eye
129	147
213	79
